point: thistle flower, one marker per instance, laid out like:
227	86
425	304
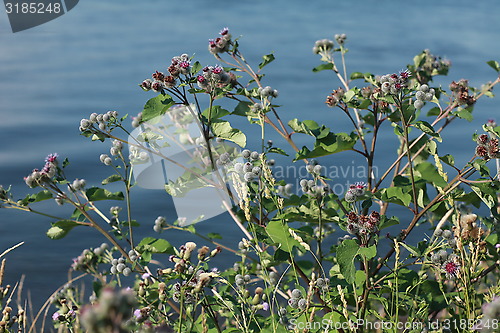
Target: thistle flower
451	267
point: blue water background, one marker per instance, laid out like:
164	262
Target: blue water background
91	60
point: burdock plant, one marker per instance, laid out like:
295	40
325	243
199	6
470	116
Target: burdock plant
287	273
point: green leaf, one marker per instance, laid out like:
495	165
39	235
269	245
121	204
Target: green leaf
419	59
357	75
464	114
428	172
266	59
242	109
157	106
279	234
157	245
349	95
396	195
196	67
428	129
494	64
222	129
435	111
346	252
61	228
277	150
36	197
328	144
216	112
368	252
413	250
96	194
304	127
398	130
448	159
214	235
99	136
486	193
386	222
111	179
322	67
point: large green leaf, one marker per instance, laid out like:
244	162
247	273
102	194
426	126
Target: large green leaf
427	129
304	127
156	245
279	233
487	193
243	109
397	195
346	252
61	228
464	113
323	67
215	113
156	107
494	64
368	252
428	172
266	59
36	197
328	144
111	179
222	129
97	194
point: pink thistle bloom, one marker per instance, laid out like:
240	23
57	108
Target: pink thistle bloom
184	64
51	158
217	70
451	268
405	74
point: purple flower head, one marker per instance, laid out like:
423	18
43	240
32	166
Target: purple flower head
137	314
217	70
55	316
497	246
200	78
451	268
184	64
51	158
265	306
224	31
491	122
405	74
145	276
